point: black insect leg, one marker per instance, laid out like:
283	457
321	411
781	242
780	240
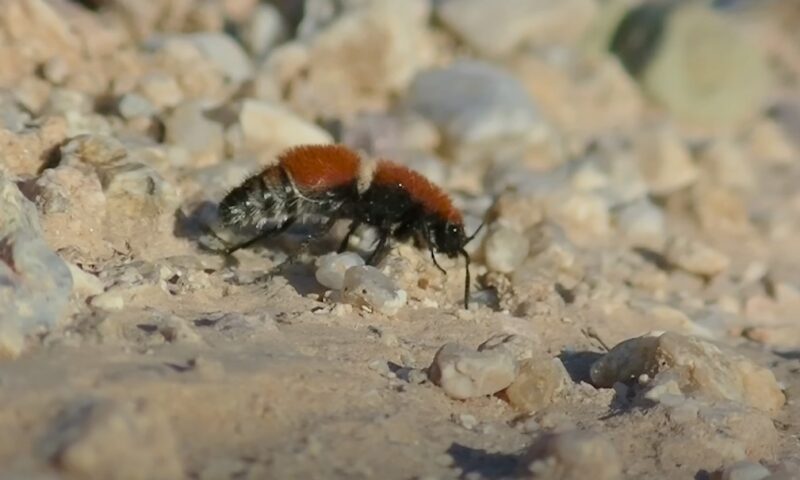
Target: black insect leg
266	233
429	242
317	233
381	249
346	240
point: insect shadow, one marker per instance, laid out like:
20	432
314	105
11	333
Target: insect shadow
297	246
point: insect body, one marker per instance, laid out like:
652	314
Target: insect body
331	182
309	182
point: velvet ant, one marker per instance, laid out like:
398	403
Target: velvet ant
331	182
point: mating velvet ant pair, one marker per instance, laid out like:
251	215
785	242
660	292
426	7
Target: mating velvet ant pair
332	182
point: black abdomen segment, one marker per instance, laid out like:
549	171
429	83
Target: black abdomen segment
387	207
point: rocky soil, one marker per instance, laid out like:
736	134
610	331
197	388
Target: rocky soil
636	289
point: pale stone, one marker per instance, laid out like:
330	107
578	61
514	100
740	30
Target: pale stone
665	161
273	126
464	373
695	257
331	268
505	249
367	286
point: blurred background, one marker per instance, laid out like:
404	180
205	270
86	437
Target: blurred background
636	164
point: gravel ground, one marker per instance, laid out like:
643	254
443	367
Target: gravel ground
635	290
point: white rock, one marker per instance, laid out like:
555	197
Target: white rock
465	420
331	268
464	373
368	286
745	470
505	249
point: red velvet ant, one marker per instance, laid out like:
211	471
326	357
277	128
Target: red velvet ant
331	182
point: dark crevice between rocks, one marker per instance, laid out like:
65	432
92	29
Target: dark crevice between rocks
488	465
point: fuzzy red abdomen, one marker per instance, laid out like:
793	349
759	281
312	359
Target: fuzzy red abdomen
432	198
320	167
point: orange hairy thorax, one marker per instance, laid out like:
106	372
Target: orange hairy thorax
420	189
320	167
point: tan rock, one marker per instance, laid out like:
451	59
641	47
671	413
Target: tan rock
571	455
719	209
665	161
537	383
498	28
73	209
273	127
113	440
362	57
695	257
692	366
27	151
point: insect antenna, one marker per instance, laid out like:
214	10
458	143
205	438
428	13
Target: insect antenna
469	239
464	254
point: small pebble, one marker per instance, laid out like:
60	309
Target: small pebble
695	257
132	105
745	470
466	420
465	373
109	301
331	268
368	286
56	70
161	89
